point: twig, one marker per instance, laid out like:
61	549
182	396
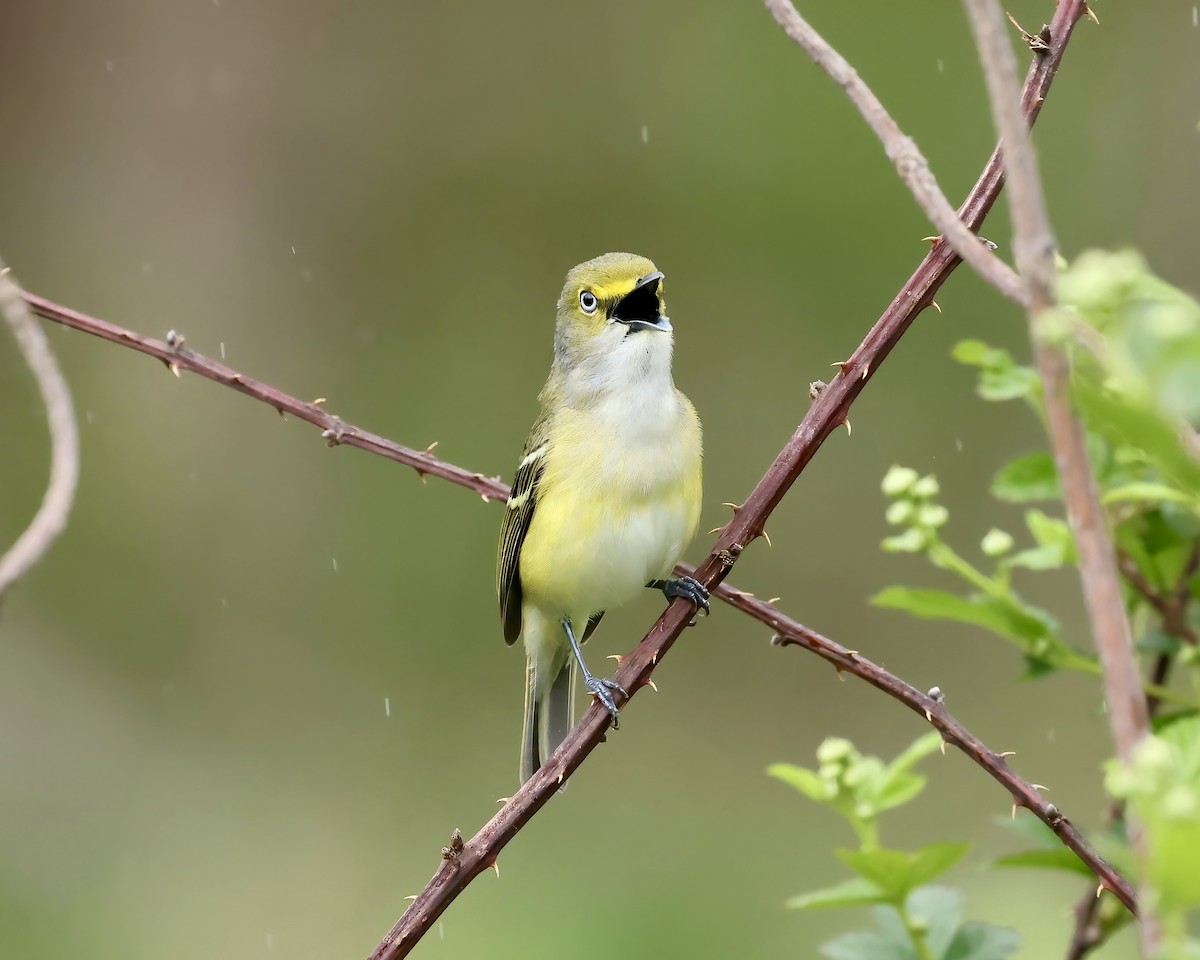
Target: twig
902	150
51	517
1034	250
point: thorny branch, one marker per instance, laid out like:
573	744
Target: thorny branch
463	861
51	517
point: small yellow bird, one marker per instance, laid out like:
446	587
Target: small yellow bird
607	493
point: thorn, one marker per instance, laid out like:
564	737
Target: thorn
934	304
1014	810
929	716
735	507
1036	44
774	600
651	684
1039	786
561	776
485	498
411	896
1100	889
496	866
282	414
943	747
428	451
654	660
990	244
932	240
174	368
715	530
841	676
1006	754
841	365
1091	14
852	654
421	475
849	429
318	401
503	799
766	536
866	370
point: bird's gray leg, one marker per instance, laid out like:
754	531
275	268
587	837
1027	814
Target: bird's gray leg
601	687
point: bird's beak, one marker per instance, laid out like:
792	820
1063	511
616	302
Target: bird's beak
640	309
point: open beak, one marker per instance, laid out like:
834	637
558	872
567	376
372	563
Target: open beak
640	309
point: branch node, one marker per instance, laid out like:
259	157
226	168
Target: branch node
1038	44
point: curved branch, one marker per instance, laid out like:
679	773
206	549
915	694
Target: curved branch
51	517
902	150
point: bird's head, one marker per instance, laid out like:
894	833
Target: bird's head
612	320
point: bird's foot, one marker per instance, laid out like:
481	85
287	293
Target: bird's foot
602	689
688	588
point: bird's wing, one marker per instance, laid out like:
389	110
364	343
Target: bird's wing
518	513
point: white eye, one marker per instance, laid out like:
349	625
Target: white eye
588	301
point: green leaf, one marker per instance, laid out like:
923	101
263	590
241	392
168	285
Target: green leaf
1060	859
919	749
867	945
1031	477
896	872
1050	531
942	605
807	782
898	790
853	892
1027	626
935	859
972	353
938	911
1037	558
1131	422
982	941
1142	491
1007	384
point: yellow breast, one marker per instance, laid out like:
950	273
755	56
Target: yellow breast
617	505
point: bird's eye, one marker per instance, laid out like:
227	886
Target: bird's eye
588	301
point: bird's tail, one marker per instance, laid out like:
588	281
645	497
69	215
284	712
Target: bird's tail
549	710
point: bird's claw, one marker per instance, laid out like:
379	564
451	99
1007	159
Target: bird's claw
601	688
690	589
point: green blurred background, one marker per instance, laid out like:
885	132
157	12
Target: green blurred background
376	203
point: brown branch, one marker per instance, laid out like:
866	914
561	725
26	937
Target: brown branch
1034	248
929	705
51	517
462	862
902	150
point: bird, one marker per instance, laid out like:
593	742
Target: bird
607	493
